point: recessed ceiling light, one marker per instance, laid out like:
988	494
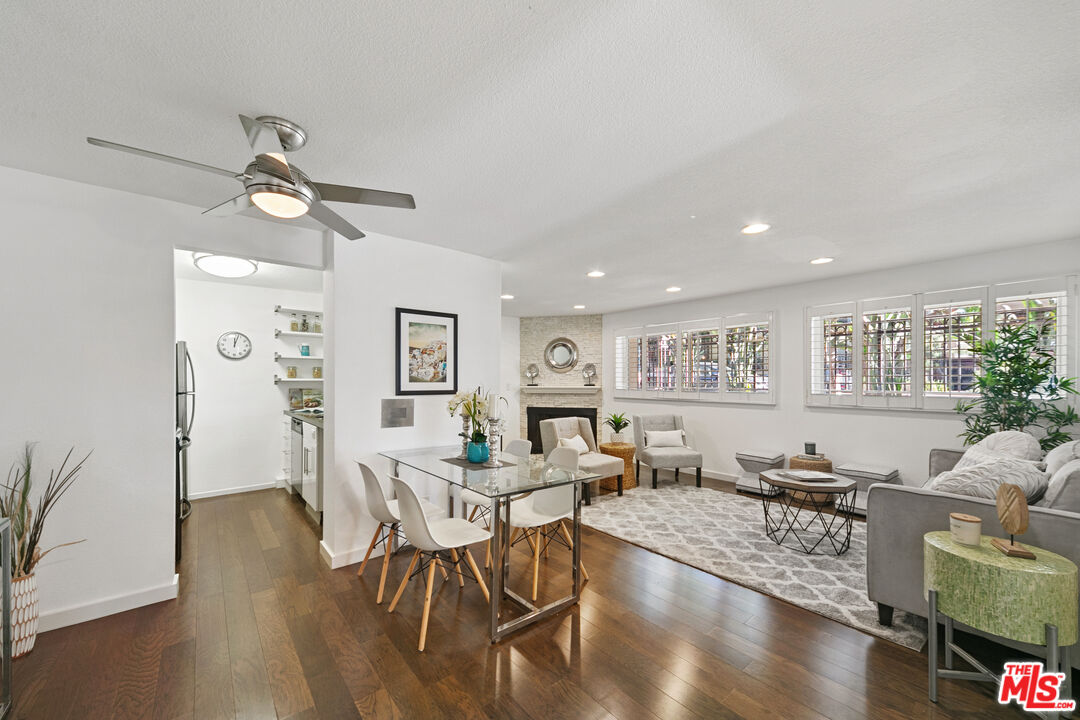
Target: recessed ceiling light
579	307
595	273
674	288
506	297
224	265
693	217
821	260
755	228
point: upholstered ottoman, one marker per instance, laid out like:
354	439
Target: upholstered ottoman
865	476
754	462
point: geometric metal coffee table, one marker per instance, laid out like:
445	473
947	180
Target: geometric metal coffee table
797	521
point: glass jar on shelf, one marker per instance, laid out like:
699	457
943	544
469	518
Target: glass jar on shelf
290	371
316	324
304	326
294	324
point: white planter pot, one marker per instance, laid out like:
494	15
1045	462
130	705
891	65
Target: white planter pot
617	437
24	615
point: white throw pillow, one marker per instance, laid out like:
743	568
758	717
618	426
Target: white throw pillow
577	442
1005	444
664	438
983	479
1063	492
1062	454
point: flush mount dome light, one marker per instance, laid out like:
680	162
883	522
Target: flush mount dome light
579	307
674	289
755	228
595	273
506	297
225	266
821	260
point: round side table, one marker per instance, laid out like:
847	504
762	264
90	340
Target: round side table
1030	601
626	452
822	465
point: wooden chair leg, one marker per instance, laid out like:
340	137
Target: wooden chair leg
529	539
536	564
475	509
676	474
367	555
570	542
385	566
513	536
442	569
404	581
541	534
654	478
476	573
487	555
618	481
637	468
586	489
427	602
584	572
457	567
699	477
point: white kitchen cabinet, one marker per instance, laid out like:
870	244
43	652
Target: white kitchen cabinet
311	468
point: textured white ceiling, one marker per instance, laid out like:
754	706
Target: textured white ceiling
562	136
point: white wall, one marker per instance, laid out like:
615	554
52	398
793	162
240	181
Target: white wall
901	439
237	435
86	277
510	376
366	280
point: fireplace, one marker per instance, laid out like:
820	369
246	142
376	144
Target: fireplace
534	414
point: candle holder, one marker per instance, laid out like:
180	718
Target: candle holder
494	432
466	433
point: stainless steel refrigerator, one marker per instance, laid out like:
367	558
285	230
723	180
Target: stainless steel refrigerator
185	416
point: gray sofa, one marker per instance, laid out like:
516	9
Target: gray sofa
900	515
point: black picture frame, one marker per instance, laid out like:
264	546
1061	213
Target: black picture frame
406	385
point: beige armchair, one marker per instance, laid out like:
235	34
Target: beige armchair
592	461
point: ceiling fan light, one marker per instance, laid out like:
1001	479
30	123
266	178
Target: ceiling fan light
225	266
280	203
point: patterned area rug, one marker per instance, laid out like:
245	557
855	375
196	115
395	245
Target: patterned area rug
724	534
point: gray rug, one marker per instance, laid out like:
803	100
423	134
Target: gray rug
724	534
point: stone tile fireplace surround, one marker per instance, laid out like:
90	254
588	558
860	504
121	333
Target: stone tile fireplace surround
561	392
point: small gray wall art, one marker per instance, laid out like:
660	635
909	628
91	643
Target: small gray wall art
397	412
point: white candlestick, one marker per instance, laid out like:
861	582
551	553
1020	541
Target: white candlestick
493	406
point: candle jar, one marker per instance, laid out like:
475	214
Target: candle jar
965	529
316	372
290	371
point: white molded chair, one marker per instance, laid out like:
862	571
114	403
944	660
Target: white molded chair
431	538
520	449
386	512
542	514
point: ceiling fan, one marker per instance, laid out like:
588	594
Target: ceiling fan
275	186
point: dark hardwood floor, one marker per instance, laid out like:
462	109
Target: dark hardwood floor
263	629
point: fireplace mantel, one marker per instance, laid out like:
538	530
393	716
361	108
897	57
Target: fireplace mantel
559	390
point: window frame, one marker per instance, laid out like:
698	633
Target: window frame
741	396
630	392
811	380
907	303
958	296
683	328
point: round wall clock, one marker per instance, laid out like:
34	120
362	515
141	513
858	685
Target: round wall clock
234	345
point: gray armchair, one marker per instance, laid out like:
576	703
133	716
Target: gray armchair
663	458
592	461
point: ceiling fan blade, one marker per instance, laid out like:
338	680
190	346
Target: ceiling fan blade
335	222
231	206
363	196
165	158
266	145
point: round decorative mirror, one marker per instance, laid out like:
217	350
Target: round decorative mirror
561	355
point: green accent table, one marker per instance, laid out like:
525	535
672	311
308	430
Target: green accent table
1029	601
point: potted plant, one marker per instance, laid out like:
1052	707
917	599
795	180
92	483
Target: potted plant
473	407
27	525
1018	389
617	422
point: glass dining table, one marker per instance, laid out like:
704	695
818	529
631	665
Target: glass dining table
516	477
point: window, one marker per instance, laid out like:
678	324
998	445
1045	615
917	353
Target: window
831	353
661	361
633	363
1045	311
621	375
746	348
886	345
950	331
627	356
701	360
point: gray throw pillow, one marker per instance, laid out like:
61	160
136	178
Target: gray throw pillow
983	479
1063	491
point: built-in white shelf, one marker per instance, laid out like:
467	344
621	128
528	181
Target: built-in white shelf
279	356
561	390
278	379
298	311
294	333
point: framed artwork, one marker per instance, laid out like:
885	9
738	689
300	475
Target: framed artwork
426	352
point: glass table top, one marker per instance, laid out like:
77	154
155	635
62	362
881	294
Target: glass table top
522	476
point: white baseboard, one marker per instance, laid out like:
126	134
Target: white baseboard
109	606
232	490
348	557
